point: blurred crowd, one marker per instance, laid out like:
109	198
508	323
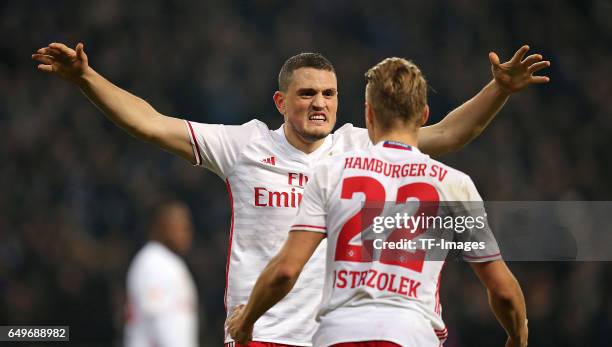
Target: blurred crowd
77	192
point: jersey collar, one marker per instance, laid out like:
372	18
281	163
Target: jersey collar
289	147
397	145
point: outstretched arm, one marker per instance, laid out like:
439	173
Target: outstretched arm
128	111
274	283
505	298
467	121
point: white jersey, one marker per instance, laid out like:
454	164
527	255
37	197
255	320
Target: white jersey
265	177
375	293
161	300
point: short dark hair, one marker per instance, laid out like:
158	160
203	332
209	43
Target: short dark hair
397	91
313	60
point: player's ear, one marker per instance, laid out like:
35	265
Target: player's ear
369	115
369	120
279	101
425	115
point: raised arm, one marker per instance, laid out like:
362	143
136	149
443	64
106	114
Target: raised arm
467	121
274	283
128	111
505	298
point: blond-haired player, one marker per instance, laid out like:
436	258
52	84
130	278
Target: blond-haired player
389	297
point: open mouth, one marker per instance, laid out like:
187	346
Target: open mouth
317	117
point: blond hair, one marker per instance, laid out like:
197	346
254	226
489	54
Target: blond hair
396	91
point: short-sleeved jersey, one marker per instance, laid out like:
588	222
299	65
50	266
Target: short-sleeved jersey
161	300
265	177
375	293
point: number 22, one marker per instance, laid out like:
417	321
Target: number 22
374	192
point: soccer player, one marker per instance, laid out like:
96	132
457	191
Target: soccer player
162	298
389	299
266	170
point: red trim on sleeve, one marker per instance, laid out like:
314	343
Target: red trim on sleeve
441	334
229	246
482	256
307	226
195	144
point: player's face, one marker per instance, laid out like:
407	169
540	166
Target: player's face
180	230
310	103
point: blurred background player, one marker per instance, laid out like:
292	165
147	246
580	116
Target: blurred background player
162	302
391	298
266	170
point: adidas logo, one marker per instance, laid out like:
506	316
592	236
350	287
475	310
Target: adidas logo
271	160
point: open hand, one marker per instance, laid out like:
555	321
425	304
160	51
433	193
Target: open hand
67	63
517	73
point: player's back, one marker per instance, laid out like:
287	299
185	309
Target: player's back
373	290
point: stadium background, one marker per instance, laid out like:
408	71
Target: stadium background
76	192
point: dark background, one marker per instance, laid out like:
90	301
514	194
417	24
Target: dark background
76	192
